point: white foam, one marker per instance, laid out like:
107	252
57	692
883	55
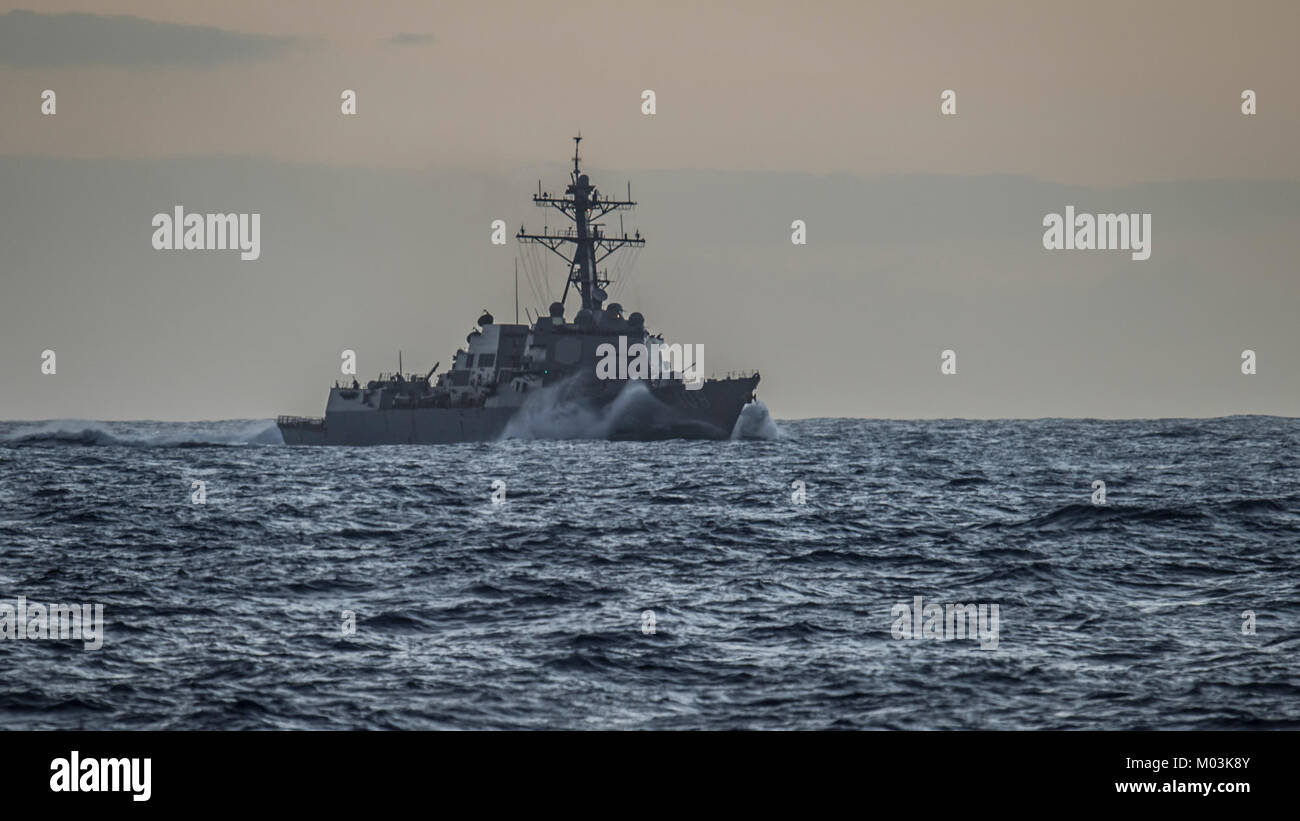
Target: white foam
755	422
558	412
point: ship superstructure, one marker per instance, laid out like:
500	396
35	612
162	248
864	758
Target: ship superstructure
503	367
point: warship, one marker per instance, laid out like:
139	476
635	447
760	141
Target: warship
508	373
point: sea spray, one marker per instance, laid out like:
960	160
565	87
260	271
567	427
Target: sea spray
755	422
561	411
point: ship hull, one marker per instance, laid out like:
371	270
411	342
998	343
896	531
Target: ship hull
417	426
676	413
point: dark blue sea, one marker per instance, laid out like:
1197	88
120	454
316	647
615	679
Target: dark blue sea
771	604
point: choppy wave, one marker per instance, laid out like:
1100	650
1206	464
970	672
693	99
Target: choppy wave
140	434
506	584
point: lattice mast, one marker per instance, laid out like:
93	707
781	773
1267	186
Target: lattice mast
584	245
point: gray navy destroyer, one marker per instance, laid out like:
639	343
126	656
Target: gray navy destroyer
507	371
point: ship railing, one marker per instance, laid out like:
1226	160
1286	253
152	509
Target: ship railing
406	377
678	376
314	422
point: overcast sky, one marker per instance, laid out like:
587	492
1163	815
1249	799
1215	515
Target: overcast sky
924	231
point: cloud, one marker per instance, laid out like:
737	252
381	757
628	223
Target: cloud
409	39
33	40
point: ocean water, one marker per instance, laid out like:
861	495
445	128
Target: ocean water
659	585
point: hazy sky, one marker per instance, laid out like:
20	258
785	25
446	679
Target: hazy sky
924	231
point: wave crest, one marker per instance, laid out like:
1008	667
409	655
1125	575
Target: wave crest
90	433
